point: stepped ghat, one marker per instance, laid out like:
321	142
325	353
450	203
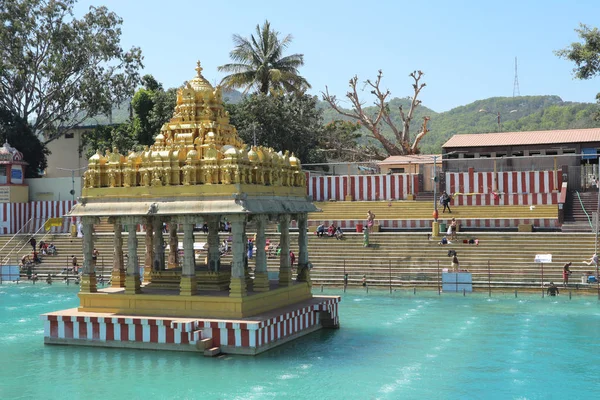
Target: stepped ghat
197	171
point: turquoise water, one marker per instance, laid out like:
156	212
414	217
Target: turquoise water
399	346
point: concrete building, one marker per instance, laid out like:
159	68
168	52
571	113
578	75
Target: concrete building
65	154
574	151
419	164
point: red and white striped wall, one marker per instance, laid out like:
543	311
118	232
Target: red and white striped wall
361	187
504	188
5	226
233	336
420	224
110	328
16	215
505	199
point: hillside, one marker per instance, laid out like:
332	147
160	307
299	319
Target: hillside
120	112
524	113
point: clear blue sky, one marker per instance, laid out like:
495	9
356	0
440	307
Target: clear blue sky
466	49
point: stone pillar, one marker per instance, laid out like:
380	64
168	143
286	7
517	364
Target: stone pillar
118	271
173	245
303	264
149	252
214	256
158	244
247	277
132	277
285	271
88	278
188	285
261	278
237	286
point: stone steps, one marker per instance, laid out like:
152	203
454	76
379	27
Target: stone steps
413	258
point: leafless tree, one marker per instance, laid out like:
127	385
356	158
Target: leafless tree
401	145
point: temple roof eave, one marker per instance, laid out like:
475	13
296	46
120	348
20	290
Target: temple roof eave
149	207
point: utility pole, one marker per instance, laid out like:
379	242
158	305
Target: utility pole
72	178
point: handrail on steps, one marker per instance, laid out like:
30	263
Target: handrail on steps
26	224
583	208
6	258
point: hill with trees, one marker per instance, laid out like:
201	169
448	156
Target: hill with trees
523	113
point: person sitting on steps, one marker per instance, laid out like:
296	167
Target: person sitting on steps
321	230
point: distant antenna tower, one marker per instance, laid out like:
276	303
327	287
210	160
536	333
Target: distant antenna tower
516	84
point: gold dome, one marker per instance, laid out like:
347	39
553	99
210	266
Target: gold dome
294	162
199	83
133	157
253	156
97	158
192	155
230	151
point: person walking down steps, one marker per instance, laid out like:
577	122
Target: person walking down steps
445	202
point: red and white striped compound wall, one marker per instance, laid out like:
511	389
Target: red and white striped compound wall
15	216
361	187
514	188
233	336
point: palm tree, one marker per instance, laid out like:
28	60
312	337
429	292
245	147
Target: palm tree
258	63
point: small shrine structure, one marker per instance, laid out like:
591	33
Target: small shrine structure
198	171
13	188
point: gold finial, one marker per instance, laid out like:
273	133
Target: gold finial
199	69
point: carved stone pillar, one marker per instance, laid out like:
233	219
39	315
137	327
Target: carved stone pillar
88	278
149	250
237	286
132	277
214	256
158	244
261	278
188	285
118	270
285	271
247	277
173	246
303	264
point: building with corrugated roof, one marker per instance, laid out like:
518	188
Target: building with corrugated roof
566	149
418	164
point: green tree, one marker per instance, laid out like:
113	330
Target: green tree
104	137
57	70
340	141
259	63
18	134
287	122
586	55
152	107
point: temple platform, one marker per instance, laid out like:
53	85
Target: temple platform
247	336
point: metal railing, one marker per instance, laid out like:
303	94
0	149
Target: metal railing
584	210
22	231
388	274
